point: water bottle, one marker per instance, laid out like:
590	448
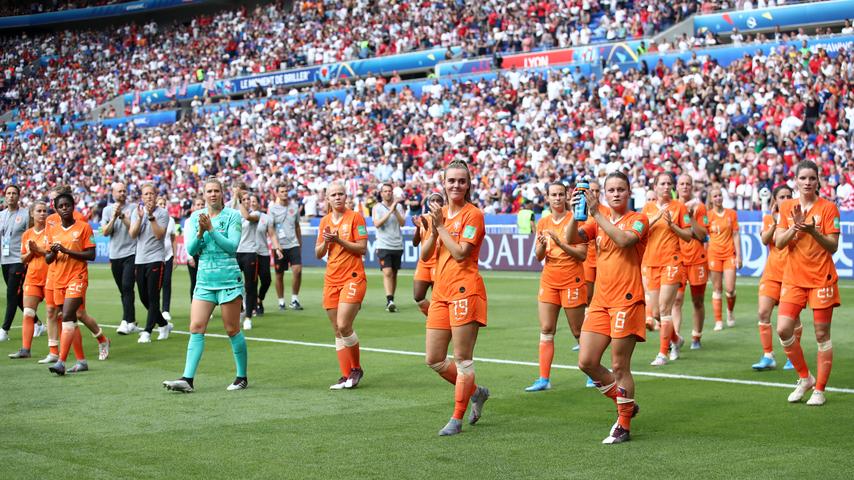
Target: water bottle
580	211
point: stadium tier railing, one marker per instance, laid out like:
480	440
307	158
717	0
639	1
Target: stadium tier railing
93	13
831	12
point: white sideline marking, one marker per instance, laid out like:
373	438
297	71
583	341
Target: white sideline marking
526	364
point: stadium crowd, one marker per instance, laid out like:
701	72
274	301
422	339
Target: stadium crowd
743	126
69	73
34	7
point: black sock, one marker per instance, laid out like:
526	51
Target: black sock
188	380
389	298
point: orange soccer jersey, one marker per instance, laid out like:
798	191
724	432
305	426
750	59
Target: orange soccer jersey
722	229
341	265
425	268
68	270
37	267
456	280
619	281
663	245
561	270
808	264
54	220
693	251
776	257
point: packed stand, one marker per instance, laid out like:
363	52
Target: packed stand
69	73
743	126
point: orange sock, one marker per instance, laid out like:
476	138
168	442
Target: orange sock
100	337
674	335
343	357
446	370
795	353
353	355
65	341
717	306
611	391
77	344
54	349
825	362
730	302
766	338
664	335
625	410
463	390
28	326
547	354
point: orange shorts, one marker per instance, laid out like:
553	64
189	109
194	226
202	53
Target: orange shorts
589	273
72	290
456	313
565	297
423	273
34	291
350	292
816	298
770	289
617	322
665	275
722	264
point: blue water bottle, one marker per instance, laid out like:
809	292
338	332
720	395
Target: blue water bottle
580	211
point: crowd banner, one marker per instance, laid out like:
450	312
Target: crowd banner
423	60
92	13
618	52
505	250
811	13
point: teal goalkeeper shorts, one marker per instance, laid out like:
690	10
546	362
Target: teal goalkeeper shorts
217	297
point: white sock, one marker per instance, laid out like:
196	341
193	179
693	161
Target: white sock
281	301
294	298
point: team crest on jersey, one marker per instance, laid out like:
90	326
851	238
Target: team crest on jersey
18	219
457	225
75	235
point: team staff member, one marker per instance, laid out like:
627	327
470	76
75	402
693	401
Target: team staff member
343	240
247	256
34	247
771	281
616	315
669	222
170	245
809	230
14	221
122	254
193	260
425	270
389	217
562	283
724	256
212	236
148	227
284	214
265	230
458	307
71	246
696	267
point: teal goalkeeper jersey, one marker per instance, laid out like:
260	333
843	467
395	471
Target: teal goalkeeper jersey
217	250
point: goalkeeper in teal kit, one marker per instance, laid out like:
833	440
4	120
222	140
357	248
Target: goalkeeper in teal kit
213	234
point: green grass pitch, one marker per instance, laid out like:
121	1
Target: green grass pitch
116	421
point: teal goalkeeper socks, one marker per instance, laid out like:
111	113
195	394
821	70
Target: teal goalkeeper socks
238	347
195	348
